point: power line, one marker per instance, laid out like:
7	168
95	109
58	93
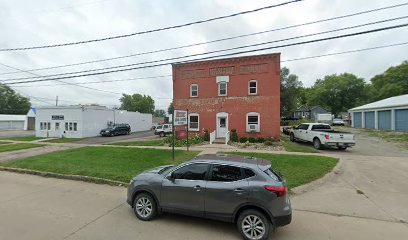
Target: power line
211	52
222	55
288	60
150	31
217	40
73	84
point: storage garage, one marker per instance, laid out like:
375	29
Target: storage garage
386	114
85	121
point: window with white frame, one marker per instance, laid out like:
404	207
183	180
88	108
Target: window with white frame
252	87
194	90
66	126
222	88
253	122
194	122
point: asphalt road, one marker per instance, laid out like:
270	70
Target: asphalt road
366	199
101	140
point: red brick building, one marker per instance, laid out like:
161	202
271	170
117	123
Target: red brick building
241	93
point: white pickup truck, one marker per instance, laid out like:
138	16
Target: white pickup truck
320	135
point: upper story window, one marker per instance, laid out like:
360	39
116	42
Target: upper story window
253	122
222	88
252	87
194	90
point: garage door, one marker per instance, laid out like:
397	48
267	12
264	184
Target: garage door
369	120
357	119
6	125
384	120
401	120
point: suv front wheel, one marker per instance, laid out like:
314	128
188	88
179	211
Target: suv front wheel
253	225
145	207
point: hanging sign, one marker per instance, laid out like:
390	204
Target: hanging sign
180	117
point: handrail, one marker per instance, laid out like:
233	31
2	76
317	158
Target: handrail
212	136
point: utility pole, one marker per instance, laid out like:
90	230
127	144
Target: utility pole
56	102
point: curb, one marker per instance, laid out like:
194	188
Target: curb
65	176
318	182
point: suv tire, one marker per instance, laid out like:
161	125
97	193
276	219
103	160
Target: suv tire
252	224
317	144
145	207
292	137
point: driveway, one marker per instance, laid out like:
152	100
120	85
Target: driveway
16	133
102	140
366	199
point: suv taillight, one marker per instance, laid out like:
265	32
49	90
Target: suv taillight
280	191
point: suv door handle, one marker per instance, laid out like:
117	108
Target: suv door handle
238	190
197	188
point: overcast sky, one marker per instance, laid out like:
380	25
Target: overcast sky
31	23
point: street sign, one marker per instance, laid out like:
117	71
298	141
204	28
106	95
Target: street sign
180	117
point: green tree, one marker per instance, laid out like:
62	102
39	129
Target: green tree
338	93
170	108
137	103
393	82
12	102
159	113
290	92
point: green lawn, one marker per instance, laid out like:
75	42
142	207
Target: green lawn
298	169
5	142
139	143
24	138
63	140
18	146
296	147
120	164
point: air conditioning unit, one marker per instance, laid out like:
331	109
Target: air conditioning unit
253	127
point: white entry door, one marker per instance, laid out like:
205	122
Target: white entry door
222	125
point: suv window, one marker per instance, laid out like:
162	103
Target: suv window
166	126
304	126
248	173
225	173
272	173
196	171
321	126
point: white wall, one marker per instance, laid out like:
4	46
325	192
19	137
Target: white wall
138	121
95	120
73	115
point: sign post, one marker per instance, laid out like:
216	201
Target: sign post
187	129
172	135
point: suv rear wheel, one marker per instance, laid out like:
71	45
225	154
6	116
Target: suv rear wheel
317	144
144	207
253	225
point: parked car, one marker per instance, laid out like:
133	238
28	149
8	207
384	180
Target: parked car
286	130
338	122
163	130
321	134
117	129
243	190
154	125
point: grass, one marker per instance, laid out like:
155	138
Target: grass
5	143
18	146
139	143
24	138
388	135
295	147
298	169
120	164
63	140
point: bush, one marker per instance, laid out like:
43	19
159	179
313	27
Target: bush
206	136
270	139
251	140
268	143
260	139
197	139
234	135
243	139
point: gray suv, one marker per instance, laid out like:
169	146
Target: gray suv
245	191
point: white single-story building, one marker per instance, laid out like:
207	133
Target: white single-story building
388	114
85	121
18	122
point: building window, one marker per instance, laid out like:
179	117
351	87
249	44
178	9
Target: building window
253	122
57	126
66	126
252	87
194	90
222	89
41	126
75	126
48	126
193	122
70	126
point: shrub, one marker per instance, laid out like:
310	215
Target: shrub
251	140
234	135
271	139
243	139
206	136
191	141
260	139
268	143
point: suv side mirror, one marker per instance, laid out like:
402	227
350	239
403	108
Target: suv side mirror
171	177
